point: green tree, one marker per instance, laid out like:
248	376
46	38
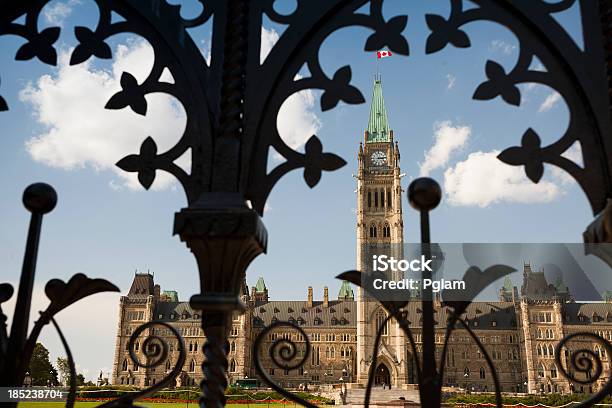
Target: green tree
64	370
80	379
41	368
54	376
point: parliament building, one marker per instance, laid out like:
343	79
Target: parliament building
519	331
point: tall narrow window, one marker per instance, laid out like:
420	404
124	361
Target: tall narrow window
369	198
375	198
192	366
124	366
483	373
233	366
382	198
389	198
380	319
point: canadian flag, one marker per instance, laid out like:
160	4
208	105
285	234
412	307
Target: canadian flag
383	54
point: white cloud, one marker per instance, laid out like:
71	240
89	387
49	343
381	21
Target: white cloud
450	81
56	12
268	39
447	140
296	121
499	45
550	102
78	132
482	179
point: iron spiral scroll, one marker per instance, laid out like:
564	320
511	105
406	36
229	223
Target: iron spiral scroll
282	352
155	352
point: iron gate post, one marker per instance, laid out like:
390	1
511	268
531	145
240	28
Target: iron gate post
424	194
224	241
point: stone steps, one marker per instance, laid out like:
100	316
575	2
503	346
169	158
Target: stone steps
356	396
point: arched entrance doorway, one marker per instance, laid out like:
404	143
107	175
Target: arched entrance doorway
382	376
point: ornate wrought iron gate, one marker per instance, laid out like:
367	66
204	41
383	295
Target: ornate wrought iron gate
231	106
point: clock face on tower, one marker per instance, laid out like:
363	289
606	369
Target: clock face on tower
379	158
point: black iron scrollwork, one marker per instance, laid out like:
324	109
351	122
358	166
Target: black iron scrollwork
284	353
585	361
564	69
155	352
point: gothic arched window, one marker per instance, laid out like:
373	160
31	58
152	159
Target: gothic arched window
232	366
124	365
553	371
483	373
369	198
375	198
192	366
168	365
541	370
389	198
382	198
380	319
233	347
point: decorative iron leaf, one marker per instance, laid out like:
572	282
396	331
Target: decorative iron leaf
6	292
131	95
531	140
340	89
131	163
475	280
534	171
143	163
389	298
499	84
63	294
146	178
390	34
41	46
513	156
91	43
148	149
442	33
316	161
528	155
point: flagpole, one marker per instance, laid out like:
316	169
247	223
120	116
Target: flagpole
377	68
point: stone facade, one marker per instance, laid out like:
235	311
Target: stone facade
520	336
519	332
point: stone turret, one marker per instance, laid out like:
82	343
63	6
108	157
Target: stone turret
325	297
310	297
259	293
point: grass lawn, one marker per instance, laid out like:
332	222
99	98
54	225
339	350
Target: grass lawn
143	404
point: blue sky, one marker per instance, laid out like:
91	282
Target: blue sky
106	226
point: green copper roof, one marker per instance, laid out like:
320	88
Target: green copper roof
172	294
378	125
260	286
559	285
507	284
346	291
